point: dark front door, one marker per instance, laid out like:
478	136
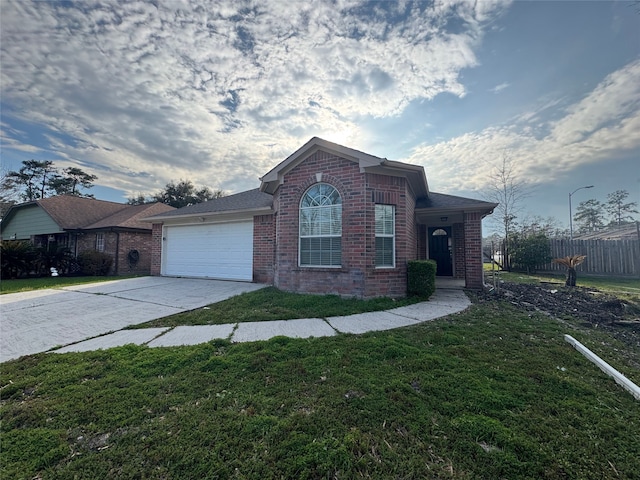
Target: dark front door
440	249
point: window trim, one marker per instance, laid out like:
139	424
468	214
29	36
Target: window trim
386	235
318	236
100	243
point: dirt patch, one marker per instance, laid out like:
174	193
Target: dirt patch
590	307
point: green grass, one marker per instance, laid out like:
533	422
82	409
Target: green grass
615	285
28	284
273	304
490	393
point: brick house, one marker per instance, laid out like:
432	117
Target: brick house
83	224
327	219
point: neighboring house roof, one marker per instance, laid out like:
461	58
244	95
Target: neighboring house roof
623	232
443	202
81	213
70	212
131	216
253	201
368	163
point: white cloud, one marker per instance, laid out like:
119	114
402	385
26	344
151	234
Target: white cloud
499	88
219	93
602	126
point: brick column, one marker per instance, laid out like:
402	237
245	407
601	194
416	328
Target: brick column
473	250
156	248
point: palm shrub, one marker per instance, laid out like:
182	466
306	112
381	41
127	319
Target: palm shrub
571	262
54	256
17	258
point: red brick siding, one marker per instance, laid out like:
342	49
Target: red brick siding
357	275
422	242
263	248
459	261
383	189
87	242
473	250
118	245
156	248
140	241
345	176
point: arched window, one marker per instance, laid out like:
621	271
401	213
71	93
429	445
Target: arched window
321	227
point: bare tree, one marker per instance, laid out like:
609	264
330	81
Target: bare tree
508	191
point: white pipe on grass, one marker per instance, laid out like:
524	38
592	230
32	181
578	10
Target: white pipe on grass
620	379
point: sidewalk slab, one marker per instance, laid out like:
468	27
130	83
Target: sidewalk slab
115	339
423	312
368	322
454	298
192	335
301	328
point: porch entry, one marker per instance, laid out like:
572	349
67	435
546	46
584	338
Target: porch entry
440	243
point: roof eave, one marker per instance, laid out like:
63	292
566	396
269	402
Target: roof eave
484	209
248	212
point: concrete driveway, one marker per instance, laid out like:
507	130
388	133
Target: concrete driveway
36	321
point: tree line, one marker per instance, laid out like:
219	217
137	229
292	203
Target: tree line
524	241
38	179
593	215
41	179
178	194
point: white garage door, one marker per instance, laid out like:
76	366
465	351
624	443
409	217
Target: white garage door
223	251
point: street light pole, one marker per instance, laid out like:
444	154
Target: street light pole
570	214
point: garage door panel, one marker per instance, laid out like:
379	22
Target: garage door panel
222	251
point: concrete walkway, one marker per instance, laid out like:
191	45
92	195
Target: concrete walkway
443	302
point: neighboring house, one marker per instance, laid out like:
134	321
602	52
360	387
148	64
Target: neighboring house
87	224
328	219
629	231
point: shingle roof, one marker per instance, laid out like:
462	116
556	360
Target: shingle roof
75	212
130	216
444	201
623	232
79	213
249	200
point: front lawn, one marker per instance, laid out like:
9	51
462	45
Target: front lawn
493	392
272	304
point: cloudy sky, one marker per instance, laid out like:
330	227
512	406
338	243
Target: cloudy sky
141	93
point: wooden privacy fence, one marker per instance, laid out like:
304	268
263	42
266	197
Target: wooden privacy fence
604	257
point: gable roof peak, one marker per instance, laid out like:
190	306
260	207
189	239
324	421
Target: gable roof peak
367	162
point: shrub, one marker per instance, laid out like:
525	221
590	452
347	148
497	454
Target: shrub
94	263
529	252
17	258
421	279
